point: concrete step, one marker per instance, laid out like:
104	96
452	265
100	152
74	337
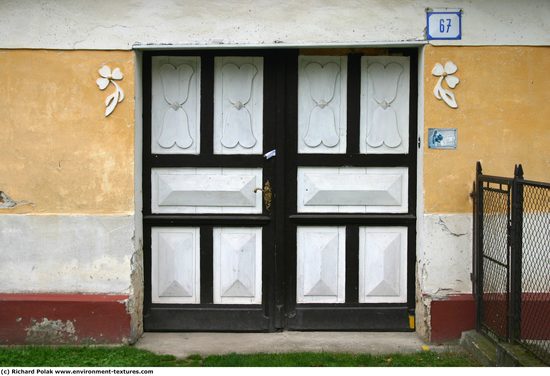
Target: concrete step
185	344
500	354
480	347
509	355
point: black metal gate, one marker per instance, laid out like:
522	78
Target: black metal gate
512	260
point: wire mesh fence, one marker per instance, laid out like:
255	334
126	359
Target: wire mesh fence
512	260
535	269
496	214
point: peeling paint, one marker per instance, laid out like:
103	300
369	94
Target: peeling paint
446	228
86	254
134	305
51	332
6	202
444	260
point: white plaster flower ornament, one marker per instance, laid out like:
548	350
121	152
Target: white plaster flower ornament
110	77
445	73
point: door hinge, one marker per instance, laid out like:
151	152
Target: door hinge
419	142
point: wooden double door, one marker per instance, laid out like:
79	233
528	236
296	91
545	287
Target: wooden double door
279	189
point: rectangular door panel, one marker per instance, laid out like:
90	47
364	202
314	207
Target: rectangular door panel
175	265
385	90
206	190
238	105
322	98
237	265
382	264
321	265
175	107
352	190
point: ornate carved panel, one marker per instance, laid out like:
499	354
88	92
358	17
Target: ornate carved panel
382	264
175	107
322	98
238	105
321	265
352	189
206	190
384	122
237	265
175	273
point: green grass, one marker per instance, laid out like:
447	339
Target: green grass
125	356
420	359
66	356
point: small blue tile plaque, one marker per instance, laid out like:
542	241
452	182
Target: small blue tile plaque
442	138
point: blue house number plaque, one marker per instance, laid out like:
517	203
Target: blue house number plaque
444	24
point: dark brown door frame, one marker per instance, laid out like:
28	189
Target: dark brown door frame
279	309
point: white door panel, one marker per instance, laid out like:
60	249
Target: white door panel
385	94
352	189
206	190
382	264
321	265
238	105
175	107
237	265
175	273
322	97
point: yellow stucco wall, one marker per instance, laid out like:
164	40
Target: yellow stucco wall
57	149
503	118
59	152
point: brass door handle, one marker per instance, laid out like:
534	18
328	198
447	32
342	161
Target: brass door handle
267	194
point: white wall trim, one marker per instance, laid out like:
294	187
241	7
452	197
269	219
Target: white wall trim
142	24
420	168
217	45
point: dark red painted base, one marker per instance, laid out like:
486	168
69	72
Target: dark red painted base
452	316
535	311
63	318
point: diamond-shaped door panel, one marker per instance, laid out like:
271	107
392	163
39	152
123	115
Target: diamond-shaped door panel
237	265
320	265
175	266
206	190
352	189
382	264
